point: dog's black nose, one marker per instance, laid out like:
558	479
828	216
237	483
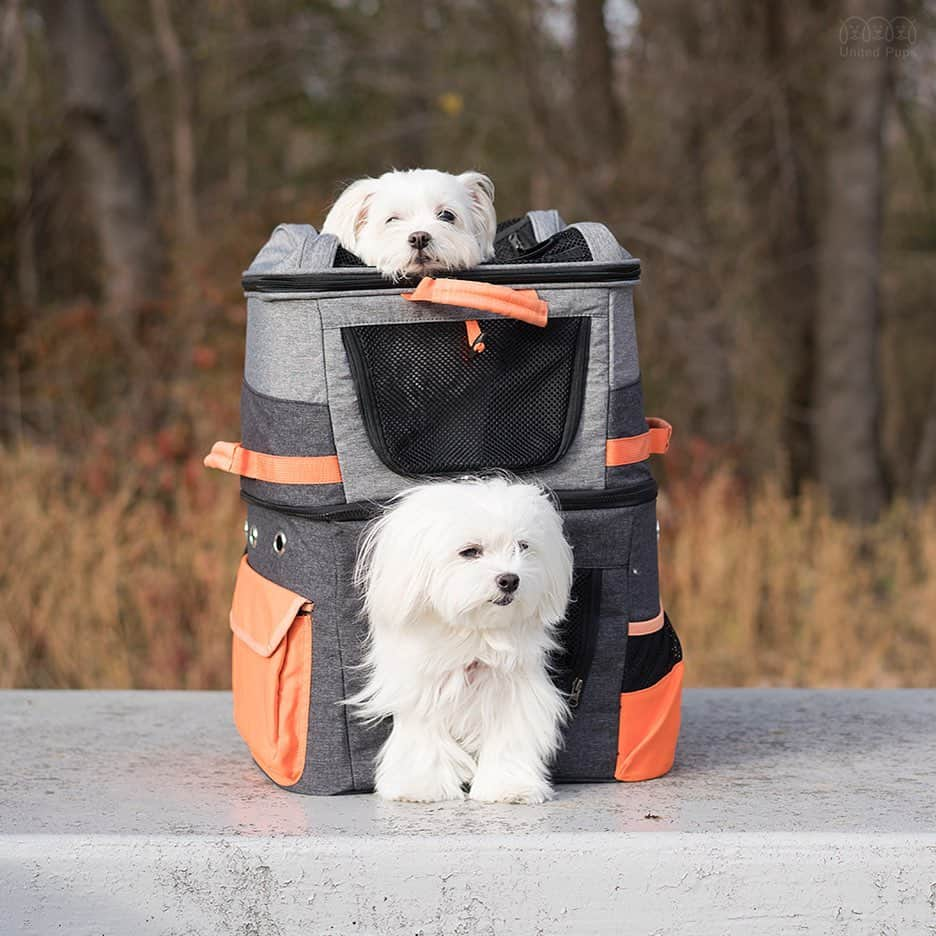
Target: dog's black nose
507	582
419	239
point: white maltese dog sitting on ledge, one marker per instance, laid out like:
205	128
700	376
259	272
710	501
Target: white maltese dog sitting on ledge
464	583
416	223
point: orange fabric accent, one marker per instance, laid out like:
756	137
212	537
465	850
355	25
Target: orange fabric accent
280	469
271	672
626	451
474	332
649	728
641	628
522	304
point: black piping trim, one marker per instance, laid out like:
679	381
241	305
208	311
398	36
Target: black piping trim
605	499
545	273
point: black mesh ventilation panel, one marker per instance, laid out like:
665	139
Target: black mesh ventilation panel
650	657
577	633
432	405
514	243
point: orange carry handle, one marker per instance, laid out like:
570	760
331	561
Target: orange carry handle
280	469
626	451
522	304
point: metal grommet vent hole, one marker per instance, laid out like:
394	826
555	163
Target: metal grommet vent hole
279	543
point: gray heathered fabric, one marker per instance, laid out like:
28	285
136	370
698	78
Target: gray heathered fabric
545	223
601	242
628	475
281	253
283	356
366	477
625	366
287	427
600	539
625	412
318	253
644	588
284	427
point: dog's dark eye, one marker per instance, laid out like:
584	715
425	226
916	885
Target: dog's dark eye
522	545
470	552
390	220
446	215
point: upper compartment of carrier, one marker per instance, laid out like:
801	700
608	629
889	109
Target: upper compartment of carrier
355	385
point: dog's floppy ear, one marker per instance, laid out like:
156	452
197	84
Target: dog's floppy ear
481	192
349	213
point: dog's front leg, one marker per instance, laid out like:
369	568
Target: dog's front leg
421	762
517	746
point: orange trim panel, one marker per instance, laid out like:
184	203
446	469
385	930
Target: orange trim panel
631	449
522	304
280	469
649	728
642	628
271	673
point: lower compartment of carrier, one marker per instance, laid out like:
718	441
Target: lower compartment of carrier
298	638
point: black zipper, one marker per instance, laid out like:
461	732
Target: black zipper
545	273
605	499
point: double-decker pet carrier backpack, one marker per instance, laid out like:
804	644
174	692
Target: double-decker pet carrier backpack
354	389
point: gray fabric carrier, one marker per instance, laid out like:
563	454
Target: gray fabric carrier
343	374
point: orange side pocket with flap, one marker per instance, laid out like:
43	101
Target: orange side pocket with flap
649	728
271	671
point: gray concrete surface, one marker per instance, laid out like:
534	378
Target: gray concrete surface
787	812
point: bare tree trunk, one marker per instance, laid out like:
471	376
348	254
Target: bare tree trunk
238	131
104	133
600	115
183	136
14	43
923	477
848	366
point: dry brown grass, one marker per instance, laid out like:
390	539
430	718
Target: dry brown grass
768	590
128	584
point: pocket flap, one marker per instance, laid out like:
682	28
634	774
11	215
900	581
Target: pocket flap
262	611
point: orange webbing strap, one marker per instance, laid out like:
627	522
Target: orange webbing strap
280	469
475	336
522	304
626	451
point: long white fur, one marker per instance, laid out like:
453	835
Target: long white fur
465	680
414	199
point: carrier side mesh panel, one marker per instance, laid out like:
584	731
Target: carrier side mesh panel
514	244
432	405
344	258
577	632
650	657
568	246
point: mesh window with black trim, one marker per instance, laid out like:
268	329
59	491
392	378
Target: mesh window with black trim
432	405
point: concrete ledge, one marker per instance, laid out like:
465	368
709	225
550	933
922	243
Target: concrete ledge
787	812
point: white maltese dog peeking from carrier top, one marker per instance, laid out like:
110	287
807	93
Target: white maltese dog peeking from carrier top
464	583
418	222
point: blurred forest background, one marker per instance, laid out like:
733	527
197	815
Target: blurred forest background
772	163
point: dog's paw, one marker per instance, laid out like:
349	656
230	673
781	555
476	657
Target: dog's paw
510	789
409	790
